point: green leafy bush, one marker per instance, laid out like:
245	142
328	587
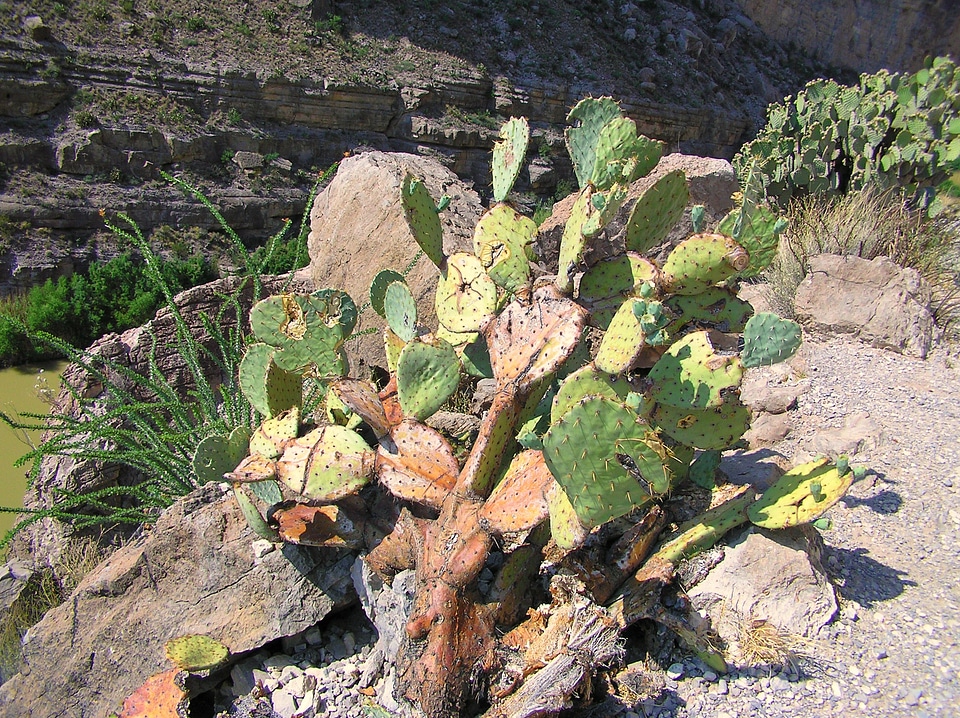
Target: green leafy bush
891	130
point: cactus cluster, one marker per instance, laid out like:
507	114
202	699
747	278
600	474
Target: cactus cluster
891	129
610	377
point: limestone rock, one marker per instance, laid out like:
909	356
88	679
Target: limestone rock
357	228
248	160
877	301
767	429
774	576
762	391
36	28
758	467
711	183
859	433
194	572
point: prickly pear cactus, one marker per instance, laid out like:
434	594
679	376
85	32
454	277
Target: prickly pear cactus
466	295
502	242
768	339
591	116
422	217
267	387
326	464
196	653
218	455
400	310
656	212
305	331
692	374
428	372
802	495
508	156
702	261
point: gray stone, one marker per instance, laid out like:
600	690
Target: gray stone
877	301
248	160
358	227
774	576
192	573
36	28
763	391
767	429
758	468
859	433
542	174
284	703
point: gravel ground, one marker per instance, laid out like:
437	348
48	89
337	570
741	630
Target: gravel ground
893	553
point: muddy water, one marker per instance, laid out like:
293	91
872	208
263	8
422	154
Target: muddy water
18	395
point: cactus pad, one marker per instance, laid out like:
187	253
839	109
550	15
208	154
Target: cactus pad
565	527
801	495
392	345
715	307
572	242
196	653
219	455
163	695
758	232
692	374
362	398
272	435
768	339
703	428
656	212
622	342
378	289
530	341
587	381
615	160
508	156
400	310
591	114
466	296
422	218
502	241
305	330
519	502
701	261
267	387
475	358
416	463
326	464
580	449
428	373
604	286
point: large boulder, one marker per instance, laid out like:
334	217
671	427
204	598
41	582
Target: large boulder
357	228
711	182
877	301
195	572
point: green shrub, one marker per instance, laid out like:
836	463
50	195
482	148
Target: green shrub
891	130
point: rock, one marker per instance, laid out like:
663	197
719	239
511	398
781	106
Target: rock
711	183
766	389
773	576
767	429
758	468
542	174
36	28
859	433
675	671
357	228
193	572
248	160
877	301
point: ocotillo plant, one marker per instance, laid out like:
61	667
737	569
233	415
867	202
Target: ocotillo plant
574	438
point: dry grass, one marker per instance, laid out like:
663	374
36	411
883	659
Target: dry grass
869	224
763	644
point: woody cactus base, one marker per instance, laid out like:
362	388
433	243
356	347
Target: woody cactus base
610	379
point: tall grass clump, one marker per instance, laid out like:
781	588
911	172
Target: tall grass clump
142	421
868	224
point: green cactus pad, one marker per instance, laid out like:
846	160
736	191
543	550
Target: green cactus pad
422	218
705	530
801	495
267	387
378	289
604	207
607	283
466	295
519	501
508	156
758	232
587	381
326	464
591	114
704	428
416	463
656	212
715	308
622	342
616	154
701	261
427	375
768	339
530	341
340	308
252	515
196	653
581	447
565	528
219	455
703	470
649	461
457	339
502	242
305	330
392	345
475	358
400	310
691	374
269	438
572	242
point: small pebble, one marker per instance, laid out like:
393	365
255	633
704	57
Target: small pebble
913	697
675	671
709	676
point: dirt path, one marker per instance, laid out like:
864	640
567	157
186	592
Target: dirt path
894	550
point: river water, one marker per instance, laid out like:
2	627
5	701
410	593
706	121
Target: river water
18	395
